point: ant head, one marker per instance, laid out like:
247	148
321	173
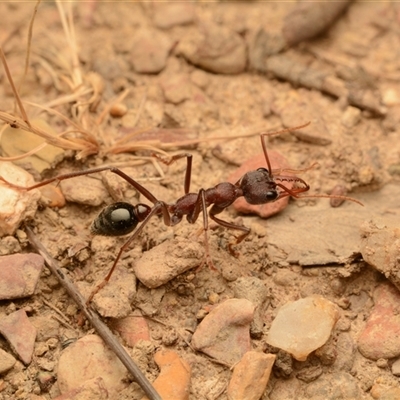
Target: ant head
259	187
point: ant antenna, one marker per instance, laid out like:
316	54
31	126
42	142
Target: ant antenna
264	145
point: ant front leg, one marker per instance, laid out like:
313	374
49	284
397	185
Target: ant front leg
188	173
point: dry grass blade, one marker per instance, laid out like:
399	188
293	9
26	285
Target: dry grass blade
127	144
17	98
54	140
28	48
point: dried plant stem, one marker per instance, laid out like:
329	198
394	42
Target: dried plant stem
67	22
102	329
28	47
17	98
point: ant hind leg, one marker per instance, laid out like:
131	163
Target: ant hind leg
215	210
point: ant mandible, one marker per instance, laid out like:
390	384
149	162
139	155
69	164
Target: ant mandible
257	187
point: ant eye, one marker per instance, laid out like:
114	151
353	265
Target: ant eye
263	170
271	195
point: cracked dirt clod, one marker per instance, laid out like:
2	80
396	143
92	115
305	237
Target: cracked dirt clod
168	260
224	332
381	249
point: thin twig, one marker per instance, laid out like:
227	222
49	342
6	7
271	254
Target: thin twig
103	331
63	323
59	312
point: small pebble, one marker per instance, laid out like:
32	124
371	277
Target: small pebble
200	78
254	290
346	352
169	337
45	380
20	334
309	374
351	117
215	48
382	391
337	385
303	326
380	248
173	382
118	110
9	245
250	376
89	358
262	210
52	196
176	87
84	190
150	50
167	15
7	361
19	275
396	368
16	205
168	260
390	97
132	328
338	190
213	298
224	333
383	326
382	363
327	353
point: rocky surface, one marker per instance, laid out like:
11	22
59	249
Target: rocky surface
133	79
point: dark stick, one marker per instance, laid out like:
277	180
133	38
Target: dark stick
93	318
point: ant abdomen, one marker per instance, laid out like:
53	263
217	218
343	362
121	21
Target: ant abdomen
119	219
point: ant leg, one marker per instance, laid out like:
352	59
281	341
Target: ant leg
199	206
264	145
188	173
70	175
216	210
160	206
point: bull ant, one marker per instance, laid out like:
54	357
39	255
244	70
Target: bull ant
261	186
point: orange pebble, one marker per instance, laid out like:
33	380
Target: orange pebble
52	196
